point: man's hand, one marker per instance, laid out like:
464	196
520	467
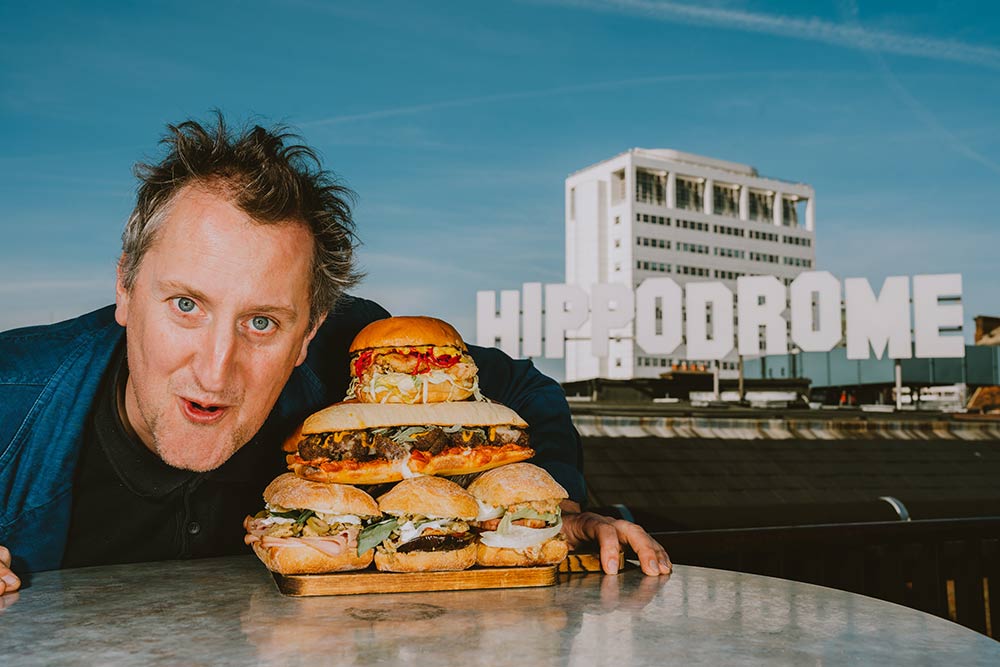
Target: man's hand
610	534
8	580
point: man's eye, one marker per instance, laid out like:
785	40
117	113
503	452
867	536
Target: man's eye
184	304
261	323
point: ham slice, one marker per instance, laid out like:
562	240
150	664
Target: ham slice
331	545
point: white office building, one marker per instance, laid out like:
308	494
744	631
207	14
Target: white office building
661	212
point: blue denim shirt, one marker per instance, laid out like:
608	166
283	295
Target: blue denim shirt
49	377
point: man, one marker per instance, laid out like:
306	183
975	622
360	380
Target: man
144	431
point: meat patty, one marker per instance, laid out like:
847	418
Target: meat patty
374	445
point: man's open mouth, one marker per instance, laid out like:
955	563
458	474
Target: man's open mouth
202	413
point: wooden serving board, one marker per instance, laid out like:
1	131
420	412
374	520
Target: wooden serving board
367	581
577	562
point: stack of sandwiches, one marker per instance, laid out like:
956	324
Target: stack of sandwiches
413	417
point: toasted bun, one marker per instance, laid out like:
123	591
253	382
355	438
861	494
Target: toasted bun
348	472
551	552
299	560
426	561
293	492
431	497
470	460
407	332
516	483
351	416
437	392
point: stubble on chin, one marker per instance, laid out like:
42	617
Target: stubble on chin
191	455
204	457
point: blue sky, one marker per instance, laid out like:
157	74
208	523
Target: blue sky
457	122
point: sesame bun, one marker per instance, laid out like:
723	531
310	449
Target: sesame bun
432	497
352	416
292	492
516	483
407	332
426	561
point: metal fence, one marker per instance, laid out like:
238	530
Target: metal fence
947	567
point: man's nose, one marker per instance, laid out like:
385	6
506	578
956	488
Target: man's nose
215	361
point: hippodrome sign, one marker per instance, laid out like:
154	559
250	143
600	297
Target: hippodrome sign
922	322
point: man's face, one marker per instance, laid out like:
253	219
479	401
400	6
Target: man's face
216	320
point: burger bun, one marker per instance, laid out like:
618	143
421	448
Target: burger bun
407	332
426	561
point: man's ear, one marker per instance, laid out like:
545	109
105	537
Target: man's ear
121	296
308	339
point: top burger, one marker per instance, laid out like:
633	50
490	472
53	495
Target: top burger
411	360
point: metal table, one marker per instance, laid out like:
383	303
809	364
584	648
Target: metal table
227	611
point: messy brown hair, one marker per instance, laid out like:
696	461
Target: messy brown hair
268	175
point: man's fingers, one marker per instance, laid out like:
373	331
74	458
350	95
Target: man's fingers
611	534
8	580
653	558
607	538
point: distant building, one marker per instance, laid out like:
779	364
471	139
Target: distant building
661	212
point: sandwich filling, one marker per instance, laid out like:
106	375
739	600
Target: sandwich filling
405	374
401	443
406	533
331	534
522	527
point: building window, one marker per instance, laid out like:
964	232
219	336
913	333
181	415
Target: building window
692	247
618	243
699	271
690	194
789	211
572	203
618	220
650	187
761	206
763	257
726	200
763	236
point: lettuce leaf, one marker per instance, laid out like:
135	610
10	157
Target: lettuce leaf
373	535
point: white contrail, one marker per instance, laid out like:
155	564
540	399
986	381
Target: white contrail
811	29
537	93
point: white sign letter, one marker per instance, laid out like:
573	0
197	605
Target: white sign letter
697	297
491	327
808	333
881	321
929	316
565	309
531	320
761	303
668	293
611	307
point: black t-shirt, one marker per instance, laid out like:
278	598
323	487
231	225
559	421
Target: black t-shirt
129	506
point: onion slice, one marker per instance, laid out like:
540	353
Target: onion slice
519	537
